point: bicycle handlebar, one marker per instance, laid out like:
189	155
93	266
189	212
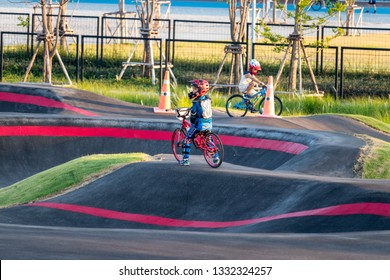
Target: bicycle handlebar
183	113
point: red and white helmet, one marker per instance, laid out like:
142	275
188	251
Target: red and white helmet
202	86
254	66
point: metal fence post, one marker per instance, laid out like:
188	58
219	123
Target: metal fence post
1	56
341	93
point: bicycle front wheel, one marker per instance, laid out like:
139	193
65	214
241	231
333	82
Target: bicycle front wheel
278	106
177	143
317	5
236	106
213	151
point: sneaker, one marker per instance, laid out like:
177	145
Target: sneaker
374	12
367	11
185	162
216	160
254	111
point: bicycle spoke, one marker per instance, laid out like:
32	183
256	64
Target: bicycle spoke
236	106
177	143
213	152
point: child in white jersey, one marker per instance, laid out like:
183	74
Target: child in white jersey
249	80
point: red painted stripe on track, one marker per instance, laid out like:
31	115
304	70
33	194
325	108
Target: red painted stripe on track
41	101
75	131
378	209
266	144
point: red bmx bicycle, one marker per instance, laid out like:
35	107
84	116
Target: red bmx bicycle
206	141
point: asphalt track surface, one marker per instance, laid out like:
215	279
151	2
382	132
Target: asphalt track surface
286	190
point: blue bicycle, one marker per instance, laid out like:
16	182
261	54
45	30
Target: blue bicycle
316	5
238	106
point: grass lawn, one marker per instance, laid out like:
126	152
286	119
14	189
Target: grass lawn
65	177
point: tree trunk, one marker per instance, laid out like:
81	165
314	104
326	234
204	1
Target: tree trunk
146	10
63	27
349	19
292	81
49	20
236	68
238	31
49	41
147	57
296	36
47	72
46	45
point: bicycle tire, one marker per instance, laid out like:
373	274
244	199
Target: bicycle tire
236	106
278	106
213	144
177	143
317	5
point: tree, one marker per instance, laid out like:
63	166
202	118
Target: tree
50	37
350	5
238	15
146	11
295	41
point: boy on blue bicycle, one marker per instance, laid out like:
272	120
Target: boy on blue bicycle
201	115
249	80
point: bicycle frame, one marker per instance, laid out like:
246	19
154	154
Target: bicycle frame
198	139
185	124
258	96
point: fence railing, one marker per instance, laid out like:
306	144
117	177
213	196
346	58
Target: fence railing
210	58
16	22
364	77
15	59
201	30
110	63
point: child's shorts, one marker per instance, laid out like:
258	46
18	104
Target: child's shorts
242	88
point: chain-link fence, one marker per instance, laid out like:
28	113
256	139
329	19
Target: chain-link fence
15	59
353	64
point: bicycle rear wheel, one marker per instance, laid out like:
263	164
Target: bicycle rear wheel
177	143
236	106
278	105
213	152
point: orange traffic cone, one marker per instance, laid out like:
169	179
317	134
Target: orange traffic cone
269	102
165	98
